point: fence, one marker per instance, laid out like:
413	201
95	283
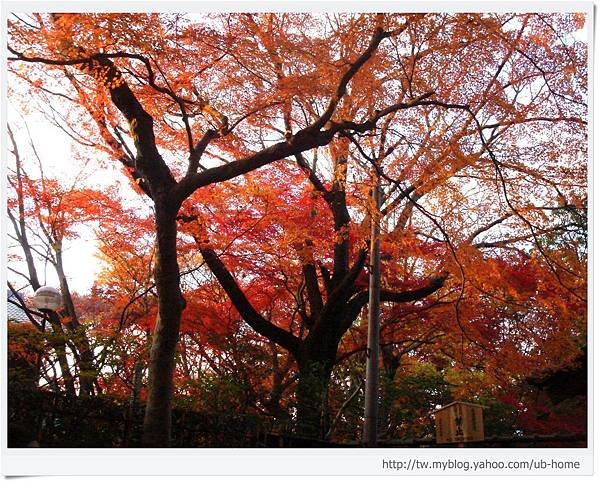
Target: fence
57	420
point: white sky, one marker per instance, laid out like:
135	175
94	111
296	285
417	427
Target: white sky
56	149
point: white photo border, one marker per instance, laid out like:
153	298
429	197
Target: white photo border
282	461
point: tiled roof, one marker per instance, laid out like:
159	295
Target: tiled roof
13	312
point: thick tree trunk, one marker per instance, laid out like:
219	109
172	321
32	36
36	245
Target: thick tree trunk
157	420
276	392
391	362
311	396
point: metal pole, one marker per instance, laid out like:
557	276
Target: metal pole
372	382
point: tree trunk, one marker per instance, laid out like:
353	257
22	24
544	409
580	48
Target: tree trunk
157	419
58	341
311	396
87	370
138	369
391	362
276	392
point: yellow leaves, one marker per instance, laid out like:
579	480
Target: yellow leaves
114	83
221	119
341	235
465	383
133	128
338	148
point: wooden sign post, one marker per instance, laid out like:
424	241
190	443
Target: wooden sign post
459	422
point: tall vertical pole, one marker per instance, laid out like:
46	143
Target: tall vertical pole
372	382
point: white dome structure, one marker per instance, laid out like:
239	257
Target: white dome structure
47	298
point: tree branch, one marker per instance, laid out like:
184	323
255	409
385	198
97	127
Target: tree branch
487	227
360	299
102	68
198	150
283	338
355	66
315	300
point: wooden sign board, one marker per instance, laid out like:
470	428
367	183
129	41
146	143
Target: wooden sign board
459	422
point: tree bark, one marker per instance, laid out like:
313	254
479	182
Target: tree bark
311	395
58	341
87	370
157	419
391	362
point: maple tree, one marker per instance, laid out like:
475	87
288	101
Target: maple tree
45	215
464	130
475	124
